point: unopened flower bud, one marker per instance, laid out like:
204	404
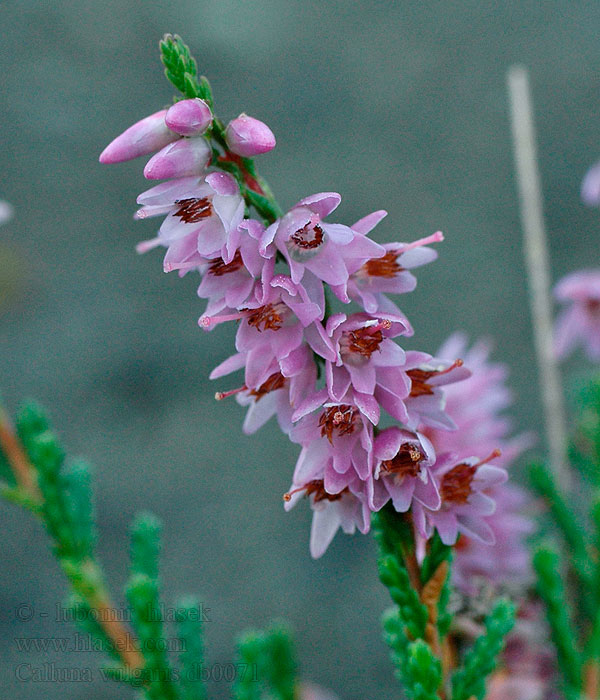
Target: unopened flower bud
249	137
146	136
186	157
189	117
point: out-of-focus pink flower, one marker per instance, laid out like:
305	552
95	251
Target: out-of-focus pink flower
579	322
508	560
249	137
529	661
590	187
146	136
463	486
189	117
308	691
475	404
518	686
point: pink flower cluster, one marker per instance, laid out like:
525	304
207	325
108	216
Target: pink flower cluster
476	406
328	378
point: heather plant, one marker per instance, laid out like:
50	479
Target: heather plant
413	445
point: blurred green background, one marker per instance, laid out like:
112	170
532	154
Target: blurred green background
397	105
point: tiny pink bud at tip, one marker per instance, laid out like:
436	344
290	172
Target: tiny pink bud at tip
189	117
249	137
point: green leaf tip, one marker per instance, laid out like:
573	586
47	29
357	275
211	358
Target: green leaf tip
479	662
189	619
423	673
548	566
146	545
181	69
269	657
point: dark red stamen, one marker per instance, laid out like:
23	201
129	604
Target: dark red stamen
193	210
219	267
316	487
406	462
302	236
266	316
386	266
274	382
337	418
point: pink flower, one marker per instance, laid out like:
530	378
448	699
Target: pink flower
347	510
519	686
202	222
463	487
146	136
232	284
327	250
426	402
270	338
370	281
249	137
579	323
337	443
287	384
403	462
368	360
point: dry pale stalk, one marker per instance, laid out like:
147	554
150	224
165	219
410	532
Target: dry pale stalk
538	267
